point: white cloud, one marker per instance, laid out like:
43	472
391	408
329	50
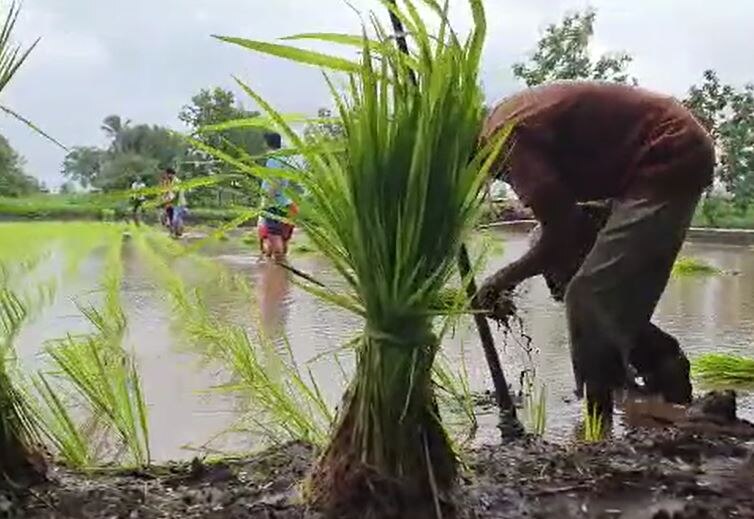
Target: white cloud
145	58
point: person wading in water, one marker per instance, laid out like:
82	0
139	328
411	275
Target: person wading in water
647	155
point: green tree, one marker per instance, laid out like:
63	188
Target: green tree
563	53
114	127
83	165
134	151
13	180
119	171
216	106
153	142
728	114
67	188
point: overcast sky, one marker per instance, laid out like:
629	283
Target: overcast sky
144	59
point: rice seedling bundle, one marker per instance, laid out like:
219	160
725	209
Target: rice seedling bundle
389	210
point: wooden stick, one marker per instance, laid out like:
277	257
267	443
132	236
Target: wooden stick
502	394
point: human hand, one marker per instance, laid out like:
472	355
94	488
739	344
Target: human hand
495	298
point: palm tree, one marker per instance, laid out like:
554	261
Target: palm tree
114	126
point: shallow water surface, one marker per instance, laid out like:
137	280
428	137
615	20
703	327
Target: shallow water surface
705	313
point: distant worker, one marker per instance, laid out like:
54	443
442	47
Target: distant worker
166	199
647	155
137	200
274	233
174	203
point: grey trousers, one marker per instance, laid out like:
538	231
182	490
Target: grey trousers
613	295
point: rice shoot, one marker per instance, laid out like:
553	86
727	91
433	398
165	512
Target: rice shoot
687	266
389	213
724	371
594	425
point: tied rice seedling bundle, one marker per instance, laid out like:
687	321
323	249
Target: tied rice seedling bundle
388	205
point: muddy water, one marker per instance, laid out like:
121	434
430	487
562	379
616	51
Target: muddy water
706	314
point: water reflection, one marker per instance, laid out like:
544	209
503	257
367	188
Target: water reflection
704	313
273	286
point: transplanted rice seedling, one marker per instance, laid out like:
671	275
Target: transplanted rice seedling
389	211
284	403
32	244
68	439
535	406
104	379
693	267
721	370
19	429
594	425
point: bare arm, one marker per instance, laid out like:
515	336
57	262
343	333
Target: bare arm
535	179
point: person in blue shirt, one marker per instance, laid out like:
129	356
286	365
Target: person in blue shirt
274	233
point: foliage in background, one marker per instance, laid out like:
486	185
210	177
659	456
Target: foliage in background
143	152
726	111
325	128
720	212
13	180
134	152
94	207
728	114
563	53
211	107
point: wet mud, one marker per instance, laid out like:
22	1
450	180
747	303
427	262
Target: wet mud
698	464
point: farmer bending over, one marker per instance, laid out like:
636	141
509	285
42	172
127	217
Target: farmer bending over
645	153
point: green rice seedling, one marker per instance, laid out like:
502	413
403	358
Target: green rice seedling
109	384
19	429
389	212
693	267
80	240
302	247
213	273
103	376
66	436
490	242
594	425
454	395
284	403
721	370
535	406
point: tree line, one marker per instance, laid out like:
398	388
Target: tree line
563	52
141	151
726	111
